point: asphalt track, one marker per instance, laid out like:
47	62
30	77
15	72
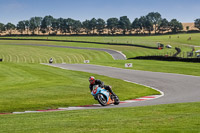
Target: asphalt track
177	88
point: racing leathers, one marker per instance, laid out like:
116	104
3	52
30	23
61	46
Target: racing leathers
101	84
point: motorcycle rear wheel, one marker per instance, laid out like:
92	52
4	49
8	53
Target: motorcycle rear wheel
117	101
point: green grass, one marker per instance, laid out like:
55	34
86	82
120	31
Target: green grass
34	54
174	41
129	51
34	86
143	40
27	85
183	117
157	66
19	56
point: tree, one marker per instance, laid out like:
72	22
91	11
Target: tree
27	25
9	27
145	24
61	25
155	18
148	25
164	25
187	28
124	24
2	27
86	26
112	24
93	24
175	26
142	23
21	26
46	24
76	26
35	23
55	25
100	25
136	26
197	23
69	24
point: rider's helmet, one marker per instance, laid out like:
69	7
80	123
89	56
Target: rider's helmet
92	80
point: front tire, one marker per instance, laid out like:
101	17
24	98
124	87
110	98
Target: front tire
102	99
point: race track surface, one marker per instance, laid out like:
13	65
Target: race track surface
177	88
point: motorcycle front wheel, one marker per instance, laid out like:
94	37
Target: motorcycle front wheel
102	99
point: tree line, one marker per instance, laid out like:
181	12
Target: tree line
197	23
152	22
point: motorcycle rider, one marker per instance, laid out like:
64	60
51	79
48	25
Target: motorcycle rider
94	81
51	60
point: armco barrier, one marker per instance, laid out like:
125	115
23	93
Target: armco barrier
167	58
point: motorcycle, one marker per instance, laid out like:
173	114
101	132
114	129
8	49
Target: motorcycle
103	96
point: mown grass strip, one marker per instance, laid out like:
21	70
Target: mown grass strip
161	118
30	54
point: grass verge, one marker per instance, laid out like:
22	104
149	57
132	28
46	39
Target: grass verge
161	118
157	66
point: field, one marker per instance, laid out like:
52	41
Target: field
28	85
181	39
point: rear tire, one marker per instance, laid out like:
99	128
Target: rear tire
117	101
102	99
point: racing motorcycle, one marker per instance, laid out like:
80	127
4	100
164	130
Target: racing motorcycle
103	96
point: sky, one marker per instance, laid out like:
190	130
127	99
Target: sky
17	10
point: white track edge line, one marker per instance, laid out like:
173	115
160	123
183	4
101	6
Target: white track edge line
157	96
